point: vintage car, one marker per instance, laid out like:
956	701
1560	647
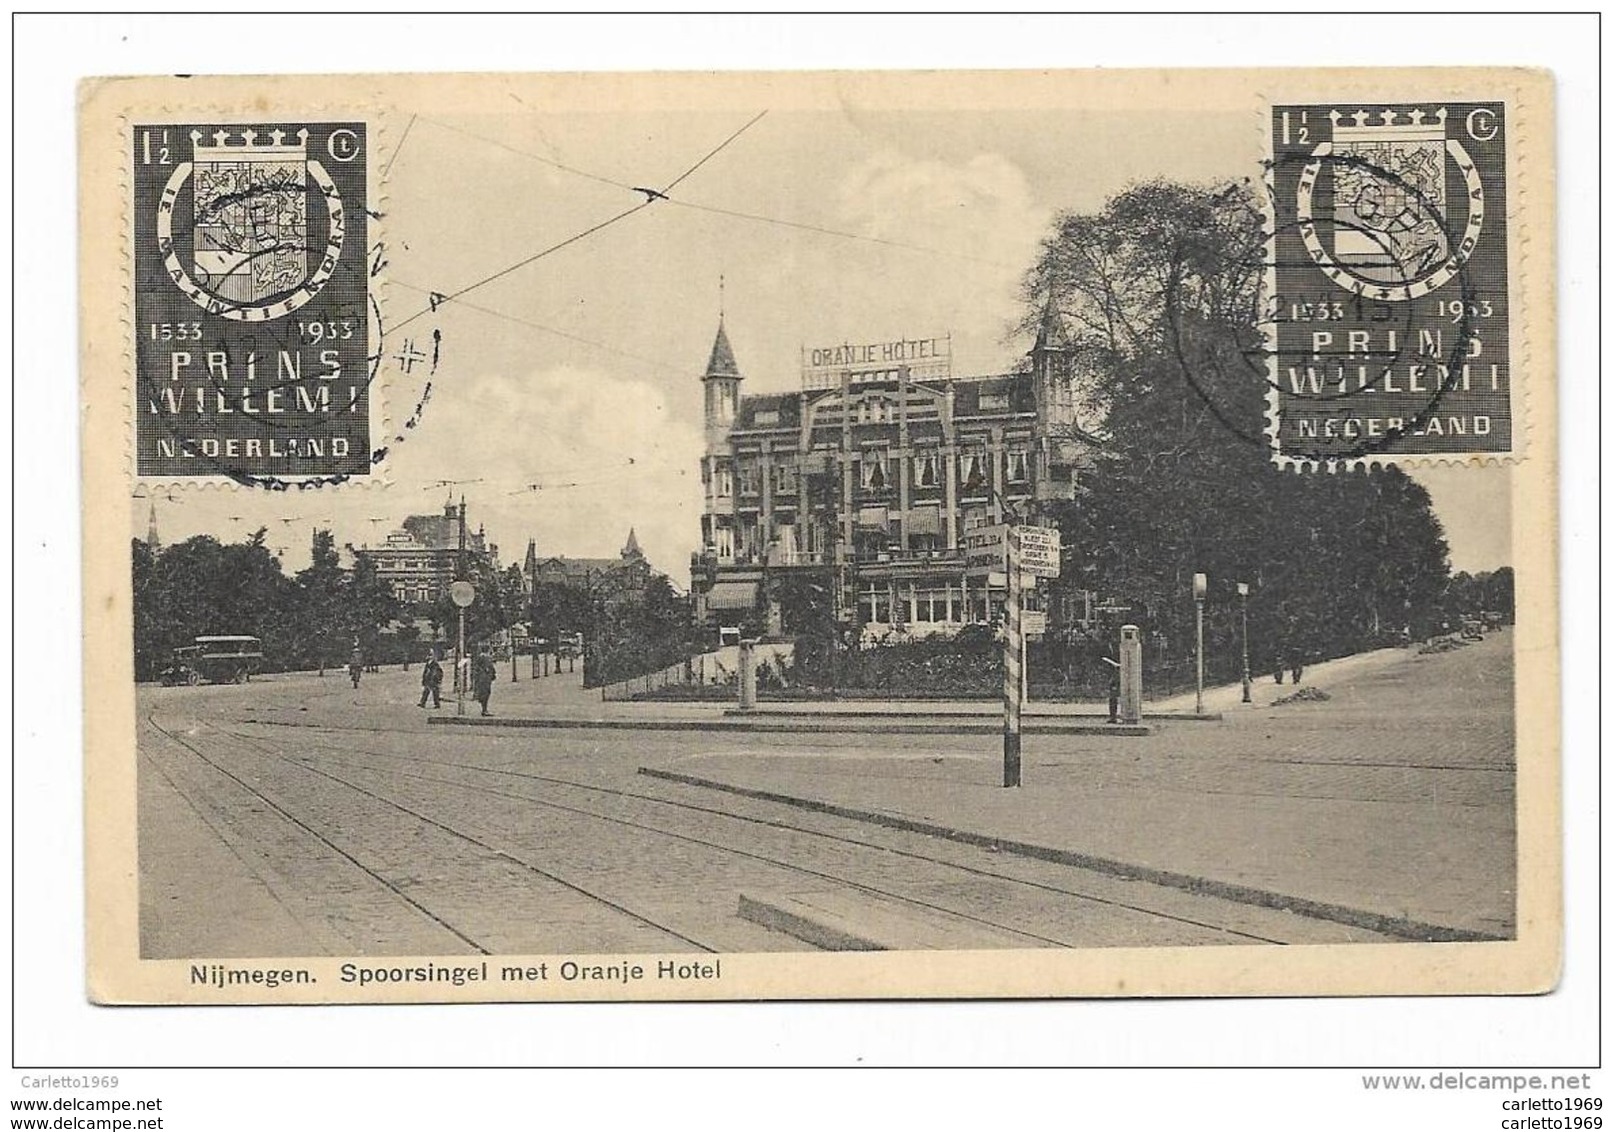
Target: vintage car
182	669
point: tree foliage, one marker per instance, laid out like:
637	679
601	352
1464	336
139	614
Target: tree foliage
202	587
1161	289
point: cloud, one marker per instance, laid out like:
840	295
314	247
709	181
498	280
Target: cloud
979	207
961	234
568	456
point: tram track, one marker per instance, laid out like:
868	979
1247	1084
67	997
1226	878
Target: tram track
374	875
348	752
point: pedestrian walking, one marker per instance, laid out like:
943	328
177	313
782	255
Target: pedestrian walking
482	676
431	683
355	669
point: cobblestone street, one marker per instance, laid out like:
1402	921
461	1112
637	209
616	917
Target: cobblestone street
296	815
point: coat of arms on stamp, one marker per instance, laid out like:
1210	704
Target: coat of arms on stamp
1388	315
252	304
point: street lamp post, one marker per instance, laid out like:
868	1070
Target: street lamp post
1243	600
1200	584
463	593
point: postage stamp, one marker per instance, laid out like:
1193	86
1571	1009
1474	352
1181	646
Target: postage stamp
839	536
1388	304
252	303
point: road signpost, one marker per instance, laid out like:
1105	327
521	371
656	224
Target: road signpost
1012	555
1039	549
1013	657
463	594
984	550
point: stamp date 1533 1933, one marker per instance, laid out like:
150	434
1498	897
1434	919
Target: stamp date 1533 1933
252	308
1388	308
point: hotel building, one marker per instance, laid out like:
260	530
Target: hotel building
865	481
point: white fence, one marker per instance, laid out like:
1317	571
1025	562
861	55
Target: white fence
712	669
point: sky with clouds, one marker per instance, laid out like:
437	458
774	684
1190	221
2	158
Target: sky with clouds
568	401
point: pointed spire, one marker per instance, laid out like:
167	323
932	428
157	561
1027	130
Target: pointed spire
151	527
722	363
1050	334
631	550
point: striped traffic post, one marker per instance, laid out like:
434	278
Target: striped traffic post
1013	658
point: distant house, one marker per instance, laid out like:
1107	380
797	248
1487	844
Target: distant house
628	572
422	558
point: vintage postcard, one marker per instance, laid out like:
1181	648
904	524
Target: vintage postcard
821	535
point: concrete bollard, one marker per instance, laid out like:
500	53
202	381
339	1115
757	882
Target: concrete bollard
1131	674
747	675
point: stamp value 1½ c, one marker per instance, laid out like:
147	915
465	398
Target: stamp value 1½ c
252	309
1387	300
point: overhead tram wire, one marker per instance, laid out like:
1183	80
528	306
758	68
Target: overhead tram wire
650	198
737	214
396	282
564	168
550	250
799	225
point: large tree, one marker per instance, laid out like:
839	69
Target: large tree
1162	290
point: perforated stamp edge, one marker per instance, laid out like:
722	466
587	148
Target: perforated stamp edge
1529	166
377	121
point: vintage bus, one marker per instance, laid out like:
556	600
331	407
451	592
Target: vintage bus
215	660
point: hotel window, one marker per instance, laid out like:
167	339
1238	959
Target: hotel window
874	605
1017	465
934	605
766	417
972	471
875	477
784	477
873	410
924	470
725	482
994	401
725	544
747	479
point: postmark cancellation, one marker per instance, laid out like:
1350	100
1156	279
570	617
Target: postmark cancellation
1389	326
254	314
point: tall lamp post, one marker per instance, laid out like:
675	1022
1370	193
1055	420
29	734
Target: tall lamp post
1243	600
1200	584
463	594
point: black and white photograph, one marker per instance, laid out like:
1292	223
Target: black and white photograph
1055	553
819	535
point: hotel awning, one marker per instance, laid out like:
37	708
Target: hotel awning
732	595
924	521
873	518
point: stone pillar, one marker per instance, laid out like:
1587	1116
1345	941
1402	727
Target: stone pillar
1131	674
747	675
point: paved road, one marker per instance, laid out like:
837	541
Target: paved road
296	816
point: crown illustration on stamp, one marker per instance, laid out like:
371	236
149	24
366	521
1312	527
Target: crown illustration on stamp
224	147
1389	124
249	253
1386	229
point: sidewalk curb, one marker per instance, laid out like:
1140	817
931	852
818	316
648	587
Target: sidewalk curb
881	725
1242	894
1027	716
